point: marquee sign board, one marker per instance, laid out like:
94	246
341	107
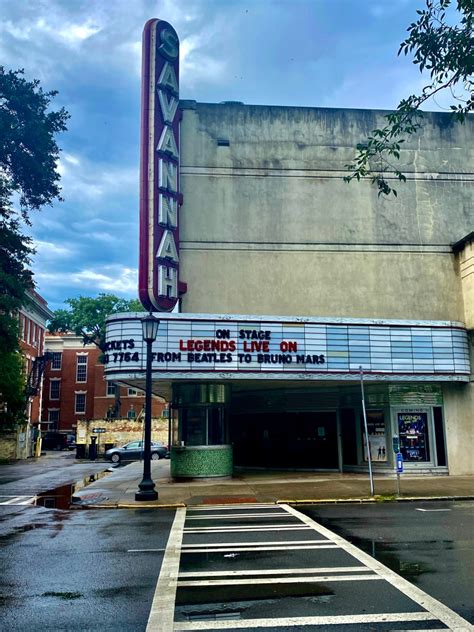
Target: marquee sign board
239	347
160	198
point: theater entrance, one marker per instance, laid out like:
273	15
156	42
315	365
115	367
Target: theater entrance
290	440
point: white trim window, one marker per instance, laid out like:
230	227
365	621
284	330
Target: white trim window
53	418
80	403
132	392
81	368
55	388
110	389
56	362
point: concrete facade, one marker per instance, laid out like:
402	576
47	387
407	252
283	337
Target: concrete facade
277	250
269	227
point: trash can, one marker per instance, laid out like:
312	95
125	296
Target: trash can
81	451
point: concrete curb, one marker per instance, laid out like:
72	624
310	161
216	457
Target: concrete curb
376	499
307	501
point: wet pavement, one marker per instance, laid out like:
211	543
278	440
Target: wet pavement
265	486
429	544
72	570
258	566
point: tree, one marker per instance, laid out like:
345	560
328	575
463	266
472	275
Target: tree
29	180
446	51
87	315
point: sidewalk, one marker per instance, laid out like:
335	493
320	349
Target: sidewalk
119	487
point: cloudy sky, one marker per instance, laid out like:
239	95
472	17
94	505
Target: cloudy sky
329	53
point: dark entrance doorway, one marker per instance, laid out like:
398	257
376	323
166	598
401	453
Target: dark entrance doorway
296	440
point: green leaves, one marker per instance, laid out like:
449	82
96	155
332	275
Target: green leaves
446	51
28	160
87	315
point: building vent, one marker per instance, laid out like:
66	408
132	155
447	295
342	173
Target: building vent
223	142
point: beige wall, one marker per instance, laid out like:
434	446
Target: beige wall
269	227
466	273
337	284
459	424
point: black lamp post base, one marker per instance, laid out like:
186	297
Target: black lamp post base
146	494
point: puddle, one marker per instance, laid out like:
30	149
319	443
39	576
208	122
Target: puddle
233	609
249	593
62	497
389	553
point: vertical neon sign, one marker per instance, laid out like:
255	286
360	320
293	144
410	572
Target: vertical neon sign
160	197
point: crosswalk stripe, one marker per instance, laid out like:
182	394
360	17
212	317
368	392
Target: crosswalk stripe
392	617
263	543
278	571
276	580
262	548
280	514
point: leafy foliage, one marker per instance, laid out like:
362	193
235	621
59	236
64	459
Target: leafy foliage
447	52
28	178
87	315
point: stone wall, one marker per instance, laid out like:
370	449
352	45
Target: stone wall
120	431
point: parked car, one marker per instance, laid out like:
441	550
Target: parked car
58	441
134	450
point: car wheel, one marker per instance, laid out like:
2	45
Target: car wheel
115	458
155	456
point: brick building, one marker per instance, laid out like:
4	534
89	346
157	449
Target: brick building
75	389
32	318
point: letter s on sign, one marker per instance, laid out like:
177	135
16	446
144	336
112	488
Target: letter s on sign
169	46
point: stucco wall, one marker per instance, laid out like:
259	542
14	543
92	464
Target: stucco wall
268	226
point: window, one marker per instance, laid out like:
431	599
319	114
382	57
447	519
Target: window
132	392
80	403
110	389
81	368
54	388
53	418
56	361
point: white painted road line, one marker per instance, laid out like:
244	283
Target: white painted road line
278	580
438	609
280	514
205	530
17	500
145	550
257	543
395	617
262	548
278	571
162	609
231	507
430	510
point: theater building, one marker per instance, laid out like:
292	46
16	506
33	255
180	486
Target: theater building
293	285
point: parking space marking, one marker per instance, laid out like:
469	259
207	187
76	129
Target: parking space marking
438	609
281	571
161	615
396	617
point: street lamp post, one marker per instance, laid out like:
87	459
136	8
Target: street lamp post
147	486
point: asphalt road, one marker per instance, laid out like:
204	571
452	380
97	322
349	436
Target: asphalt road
230	567
431	544
71	570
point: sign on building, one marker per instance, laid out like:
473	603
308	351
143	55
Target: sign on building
160	198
